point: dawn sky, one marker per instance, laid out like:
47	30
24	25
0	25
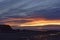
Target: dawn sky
25	12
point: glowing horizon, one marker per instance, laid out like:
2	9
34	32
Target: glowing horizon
31	22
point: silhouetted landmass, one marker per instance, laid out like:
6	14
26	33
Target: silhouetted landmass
7	33
5	28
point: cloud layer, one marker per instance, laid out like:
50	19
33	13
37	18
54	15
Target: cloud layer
25	8
15	12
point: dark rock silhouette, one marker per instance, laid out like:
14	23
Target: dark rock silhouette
5	28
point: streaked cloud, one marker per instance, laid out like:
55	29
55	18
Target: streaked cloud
2	0
25	7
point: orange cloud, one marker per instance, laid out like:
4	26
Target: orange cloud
31	22
41	23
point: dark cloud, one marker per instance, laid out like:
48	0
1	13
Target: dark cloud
33	8
20	21
48	13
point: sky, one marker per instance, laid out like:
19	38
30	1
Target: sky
26	13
